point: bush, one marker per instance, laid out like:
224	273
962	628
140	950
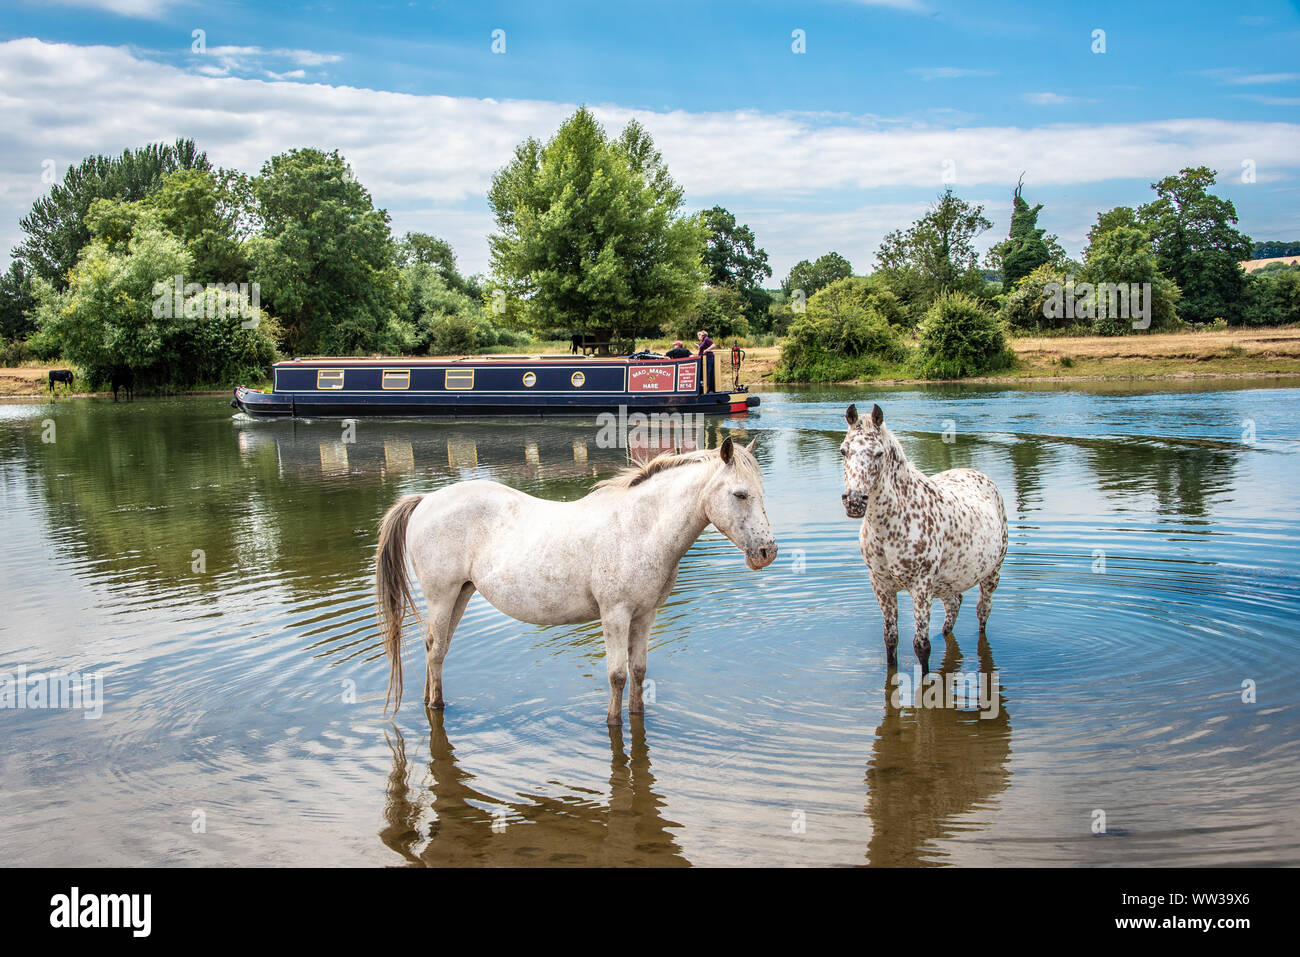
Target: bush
1273	297
14	353
959	338
450	333
843	334
1023	308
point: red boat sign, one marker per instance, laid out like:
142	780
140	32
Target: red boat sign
686	376
650	379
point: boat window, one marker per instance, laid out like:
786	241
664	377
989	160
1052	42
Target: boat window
459	379
577	379
530	379
329	378
397	379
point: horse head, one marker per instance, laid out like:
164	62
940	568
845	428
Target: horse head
733	502
866	451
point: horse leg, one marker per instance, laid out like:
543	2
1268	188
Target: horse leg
986	597
443	620
951	605
888	601
638	645
922	599
617	626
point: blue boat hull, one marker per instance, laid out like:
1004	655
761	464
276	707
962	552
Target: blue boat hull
355	388
301	405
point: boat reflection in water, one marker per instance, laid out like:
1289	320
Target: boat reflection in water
437	817
933	769
501	447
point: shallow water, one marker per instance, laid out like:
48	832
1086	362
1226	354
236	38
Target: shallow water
1152	571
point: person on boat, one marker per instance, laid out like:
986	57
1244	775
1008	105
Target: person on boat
678	351
706	344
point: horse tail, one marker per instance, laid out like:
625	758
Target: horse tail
393	591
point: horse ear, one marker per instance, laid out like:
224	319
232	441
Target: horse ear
851	415
877	417
752	442
727	450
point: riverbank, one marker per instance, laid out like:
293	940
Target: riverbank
1228	353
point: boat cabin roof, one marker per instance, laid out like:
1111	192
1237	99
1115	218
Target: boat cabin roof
405	361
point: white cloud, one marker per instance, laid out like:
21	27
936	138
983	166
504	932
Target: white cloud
142	9
812	181
928	73
1271	100
1051	99
1254	78
225	60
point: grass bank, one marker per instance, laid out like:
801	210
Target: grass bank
1224	353
1234	353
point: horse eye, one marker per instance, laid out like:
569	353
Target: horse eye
878	453
741	494
843	450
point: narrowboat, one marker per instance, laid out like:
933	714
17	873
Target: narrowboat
497	385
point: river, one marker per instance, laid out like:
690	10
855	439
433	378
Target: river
1142	659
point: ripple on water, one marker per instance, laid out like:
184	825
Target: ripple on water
252	691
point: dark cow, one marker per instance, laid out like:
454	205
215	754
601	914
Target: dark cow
60	375
123	378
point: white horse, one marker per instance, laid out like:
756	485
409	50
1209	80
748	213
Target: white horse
932	536
611	555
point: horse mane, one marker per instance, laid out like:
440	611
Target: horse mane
893	446
635	475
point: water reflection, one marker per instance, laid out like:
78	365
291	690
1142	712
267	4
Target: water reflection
1183	475
1139	516
442	820
933	767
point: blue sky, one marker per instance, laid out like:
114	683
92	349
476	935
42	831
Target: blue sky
820	150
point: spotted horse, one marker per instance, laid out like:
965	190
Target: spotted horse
933	536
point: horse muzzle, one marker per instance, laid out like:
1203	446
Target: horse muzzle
762	557
855	504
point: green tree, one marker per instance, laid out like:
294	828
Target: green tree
1025	248
56	228
324	259
1024	309
205	210
722	310
1122	256
112	315
936	254
733	258
1113	219
590	233
1271	249
1273	297
424	249
1197	245
812	277
17	303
